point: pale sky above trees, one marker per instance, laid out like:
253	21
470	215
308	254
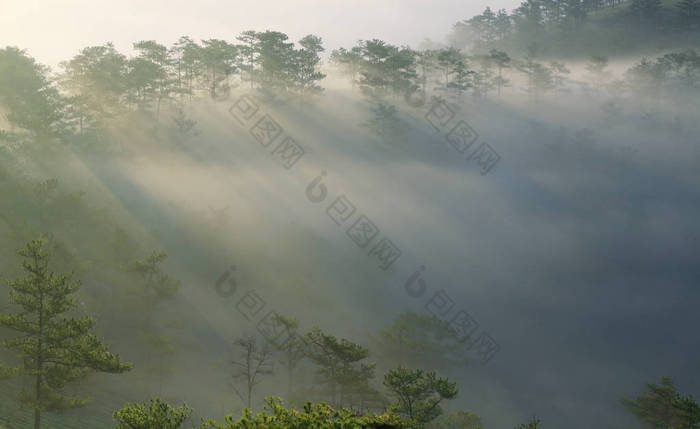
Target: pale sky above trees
53	31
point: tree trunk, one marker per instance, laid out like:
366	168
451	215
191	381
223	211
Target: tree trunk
39	365
37	418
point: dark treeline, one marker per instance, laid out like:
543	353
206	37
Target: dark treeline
575	27
101	85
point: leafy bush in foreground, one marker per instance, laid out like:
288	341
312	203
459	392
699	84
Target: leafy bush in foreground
317	416
154	415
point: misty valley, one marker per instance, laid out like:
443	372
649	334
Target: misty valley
272	229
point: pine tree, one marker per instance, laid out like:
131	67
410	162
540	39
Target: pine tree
29	100
185	55
558	71
155	287
502	61
217	61
162	82
292	349
420	340
418	393
340	364
688	412
658	407
384	121
54	349
348	62
305	66
456	76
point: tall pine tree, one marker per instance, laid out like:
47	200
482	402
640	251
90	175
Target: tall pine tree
661	407
54	349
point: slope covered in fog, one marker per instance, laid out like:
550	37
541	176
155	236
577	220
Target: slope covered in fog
528	256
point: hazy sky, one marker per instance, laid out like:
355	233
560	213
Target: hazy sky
54	31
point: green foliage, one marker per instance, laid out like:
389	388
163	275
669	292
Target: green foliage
98	78
184	126
661	406
184	57
154	415
31	100
419	393
483	30
482	79
532	424
55	350
580	27
597	64
348	62
157	285
384	121
306	62
674	74
149	76
455	76
687	411
502	61
100	83
217	59
274	58
540	78
313	416
340	364
381	68
421	340
293	349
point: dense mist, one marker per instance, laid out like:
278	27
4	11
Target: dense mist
494	230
